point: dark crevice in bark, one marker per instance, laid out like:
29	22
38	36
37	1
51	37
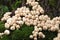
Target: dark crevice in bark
23	2
52	11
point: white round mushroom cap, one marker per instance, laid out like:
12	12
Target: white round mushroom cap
7	32
31	36
12	28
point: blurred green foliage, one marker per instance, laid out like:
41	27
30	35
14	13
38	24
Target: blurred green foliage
2	28
3	9
5	37
22	34
52	3
25	31
16	4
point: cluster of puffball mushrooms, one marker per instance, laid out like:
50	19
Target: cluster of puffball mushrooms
31	17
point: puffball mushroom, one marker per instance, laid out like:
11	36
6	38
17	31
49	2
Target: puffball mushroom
34	35
36	30
24	19
19	22
19	18
41	35
57	27
1	34
34	23
31	23
53	29
40	29
17	15
12	28
41	11
14	24
9	21
16	12
29	16
17	27
36	16
5	18
34	7
2	19
31	36
7	25
57	22
7	14
35	38
33	32
45	28
6	32
27	23
38	25
34	3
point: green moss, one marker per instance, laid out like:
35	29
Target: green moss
2	28
17	34
5	37
22	34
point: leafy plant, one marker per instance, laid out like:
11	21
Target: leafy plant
3	9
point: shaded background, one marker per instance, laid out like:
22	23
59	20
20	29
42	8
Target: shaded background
51	7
